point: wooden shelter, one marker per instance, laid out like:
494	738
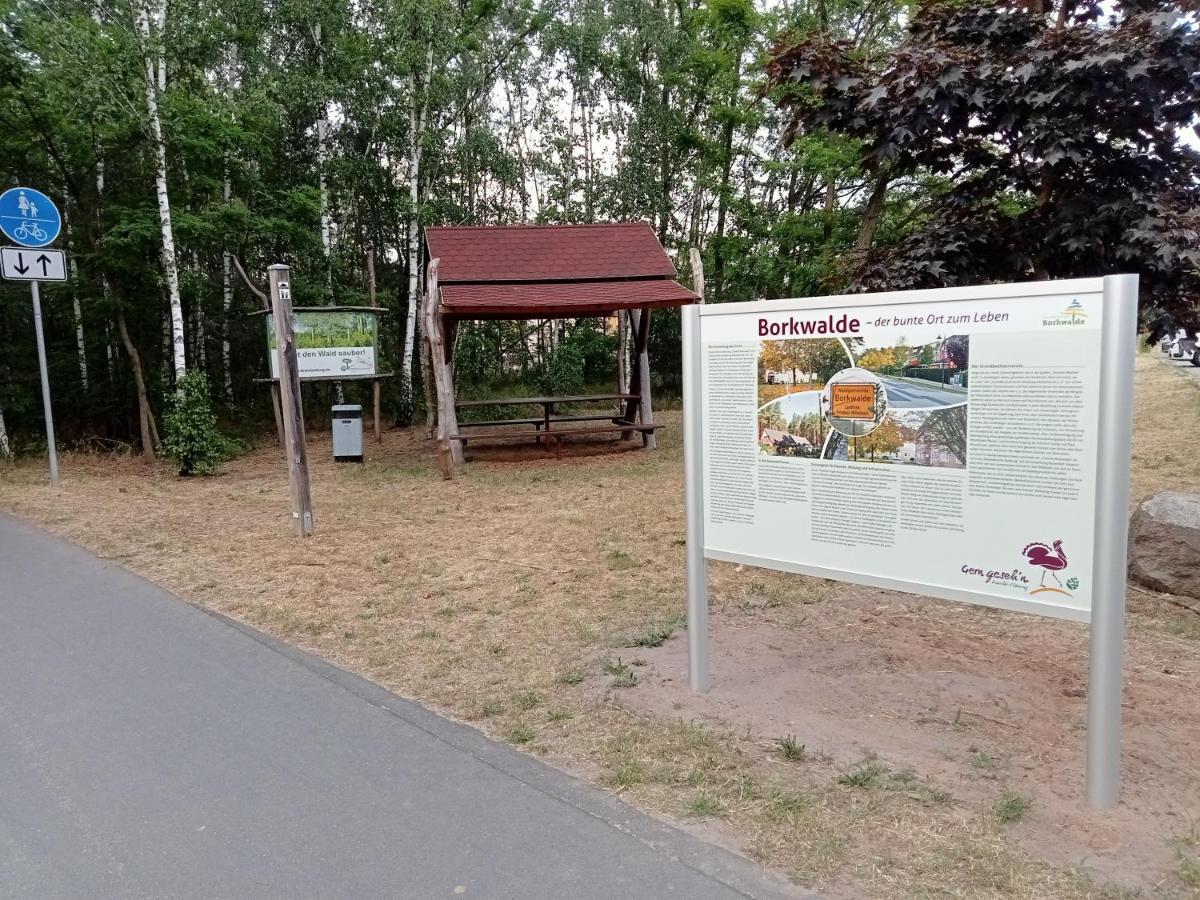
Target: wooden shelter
546	272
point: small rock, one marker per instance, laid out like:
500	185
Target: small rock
1164	543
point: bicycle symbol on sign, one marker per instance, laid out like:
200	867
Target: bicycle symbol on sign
29	231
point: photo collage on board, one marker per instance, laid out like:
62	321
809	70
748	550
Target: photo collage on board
903	403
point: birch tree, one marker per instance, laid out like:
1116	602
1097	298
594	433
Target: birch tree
418	115
150	18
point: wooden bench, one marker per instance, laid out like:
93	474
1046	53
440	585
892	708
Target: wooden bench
555	435
539	422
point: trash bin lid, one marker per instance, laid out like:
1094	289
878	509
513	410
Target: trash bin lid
347	411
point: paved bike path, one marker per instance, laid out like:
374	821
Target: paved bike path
151	749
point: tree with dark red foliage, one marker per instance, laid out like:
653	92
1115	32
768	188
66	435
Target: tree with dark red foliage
1052	135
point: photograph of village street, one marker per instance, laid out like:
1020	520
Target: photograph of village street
600	449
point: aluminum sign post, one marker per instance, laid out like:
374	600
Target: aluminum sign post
1112	536
51	449
693	463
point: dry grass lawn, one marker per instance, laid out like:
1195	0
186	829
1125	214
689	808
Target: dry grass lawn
537	600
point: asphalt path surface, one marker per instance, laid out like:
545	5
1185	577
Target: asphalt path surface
913	393
151	749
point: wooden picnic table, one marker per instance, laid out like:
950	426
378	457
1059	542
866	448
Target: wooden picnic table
548	405
543	432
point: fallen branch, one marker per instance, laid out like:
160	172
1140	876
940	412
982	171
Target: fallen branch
1162	596
988	718
1181	604
513	562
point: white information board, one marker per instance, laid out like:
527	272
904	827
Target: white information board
330	342
963	461
964	443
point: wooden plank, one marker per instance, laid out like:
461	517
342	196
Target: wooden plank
315	378
496	422
557	433
290	399
540	401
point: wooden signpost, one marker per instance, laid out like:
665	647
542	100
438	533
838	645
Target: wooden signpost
290	401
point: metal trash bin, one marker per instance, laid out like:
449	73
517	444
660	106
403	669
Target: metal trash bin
347	433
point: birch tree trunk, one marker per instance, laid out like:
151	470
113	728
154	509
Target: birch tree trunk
5	451
418	112
622	353
156	76
73	267
323	185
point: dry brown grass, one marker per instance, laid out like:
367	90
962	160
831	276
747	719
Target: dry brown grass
518	597
1166	455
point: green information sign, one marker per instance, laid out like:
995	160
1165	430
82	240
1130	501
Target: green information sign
330	343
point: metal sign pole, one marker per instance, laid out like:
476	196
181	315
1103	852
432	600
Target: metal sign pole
693	467
41	349
1111	540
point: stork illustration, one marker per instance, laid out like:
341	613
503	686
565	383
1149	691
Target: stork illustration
1051	559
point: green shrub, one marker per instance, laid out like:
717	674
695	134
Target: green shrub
190	435
563	374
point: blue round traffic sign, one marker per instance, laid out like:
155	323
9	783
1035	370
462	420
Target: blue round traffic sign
29	217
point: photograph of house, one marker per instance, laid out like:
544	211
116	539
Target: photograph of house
930	437
792	426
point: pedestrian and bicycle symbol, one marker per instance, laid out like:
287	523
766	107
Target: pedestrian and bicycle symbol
29	217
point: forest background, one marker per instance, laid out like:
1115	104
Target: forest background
805	147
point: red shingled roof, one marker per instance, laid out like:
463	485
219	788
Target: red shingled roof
548	253
547	271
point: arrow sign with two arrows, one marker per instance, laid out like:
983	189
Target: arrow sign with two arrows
23	264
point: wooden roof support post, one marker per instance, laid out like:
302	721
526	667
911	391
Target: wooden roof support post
634	382
449	413
446	421
290	401
697	273
640	320
427	380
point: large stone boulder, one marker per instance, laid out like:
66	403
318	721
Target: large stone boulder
1164	543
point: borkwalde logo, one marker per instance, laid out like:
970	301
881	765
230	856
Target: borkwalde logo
1074	314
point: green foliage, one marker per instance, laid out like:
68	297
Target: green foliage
190	435
992	108
790	748
865	776
562	374
1012	807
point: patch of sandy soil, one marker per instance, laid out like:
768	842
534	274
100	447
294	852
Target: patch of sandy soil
975	700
